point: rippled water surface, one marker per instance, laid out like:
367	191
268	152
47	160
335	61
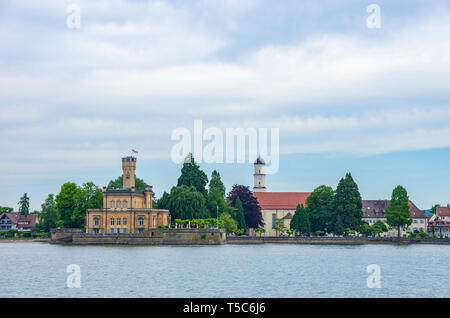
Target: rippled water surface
31	269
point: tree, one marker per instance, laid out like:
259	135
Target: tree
319	205
397	213
339	226
260	230
300	222
66	203
216	196
49	213
216	183
192	175
5	209
240	218
88	196
228	223
379	227
347	205
163	202
433	209
185	202
118	183
252	210
279	226
24	205
365	229
304	226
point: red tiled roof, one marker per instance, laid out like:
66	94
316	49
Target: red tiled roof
17	218
281	200
377	208
443	211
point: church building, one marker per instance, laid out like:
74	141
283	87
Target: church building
282	205
126	209
274	205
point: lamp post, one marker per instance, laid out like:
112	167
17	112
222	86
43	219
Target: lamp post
217	210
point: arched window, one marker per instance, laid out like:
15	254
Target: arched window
112	204
118	204
124	204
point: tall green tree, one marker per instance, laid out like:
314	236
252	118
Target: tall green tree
163	202
319	205
398	214
49	213
88	196
66	203
300	221
118	183
216	196
185	202
240	218
192	175
24	205
347	206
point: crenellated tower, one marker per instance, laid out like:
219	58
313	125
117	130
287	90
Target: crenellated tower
129	172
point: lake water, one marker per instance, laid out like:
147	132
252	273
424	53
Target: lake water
30	269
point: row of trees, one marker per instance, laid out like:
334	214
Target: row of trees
68	208
340	211
191	199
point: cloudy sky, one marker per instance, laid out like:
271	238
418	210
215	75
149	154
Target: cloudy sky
375	102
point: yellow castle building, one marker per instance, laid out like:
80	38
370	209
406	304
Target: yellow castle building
126	209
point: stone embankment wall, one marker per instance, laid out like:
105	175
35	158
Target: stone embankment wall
334	240
148	237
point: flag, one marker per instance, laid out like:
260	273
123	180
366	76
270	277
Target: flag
134	151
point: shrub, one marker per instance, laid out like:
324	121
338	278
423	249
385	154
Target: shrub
203	236
320	233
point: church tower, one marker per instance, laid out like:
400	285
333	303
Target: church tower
129	168
259	175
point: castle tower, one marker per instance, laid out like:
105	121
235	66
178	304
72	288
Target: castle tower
129	168
260	175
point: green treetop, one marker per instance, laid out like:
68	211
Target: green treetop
24	205
397	213
347	205
240	217
319	205
192	175
118	183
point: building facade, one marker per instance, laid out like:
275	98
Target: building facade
374	210
126	209
439	223
282	205
18	221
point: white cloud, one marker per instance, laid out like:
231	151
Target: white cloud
135	71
